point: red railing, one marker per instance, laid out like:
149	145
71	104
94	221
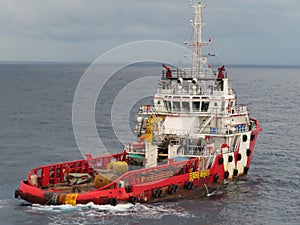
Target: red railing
54	173
155	174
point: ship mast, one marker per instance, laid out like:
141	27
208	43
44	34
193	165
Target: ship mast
197	40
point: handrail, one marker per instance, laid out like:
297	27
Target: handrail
54	173
239	109
189	73
135	177
207	119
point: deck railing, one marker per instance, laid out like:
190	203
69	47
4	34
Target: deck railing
188	73
53	174
155	174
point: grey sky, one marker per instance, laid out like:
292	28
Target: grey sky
243	31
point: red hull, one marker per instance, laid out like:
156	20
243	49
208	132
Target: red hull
168	181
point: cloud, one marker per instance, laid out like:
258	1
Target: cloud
75	28
81	20
58	20
256	32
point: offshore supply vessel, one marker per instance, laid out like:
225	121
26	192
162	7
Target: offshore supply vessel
191	140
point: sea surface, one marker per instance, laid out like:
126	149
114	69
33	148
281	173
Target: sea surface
36	129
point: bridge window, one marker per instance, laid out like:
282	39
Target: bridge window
167	105
176	106
185	106
204	106
196	106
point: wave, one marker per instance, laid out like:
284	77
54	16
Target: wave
154	210
86	214
4	202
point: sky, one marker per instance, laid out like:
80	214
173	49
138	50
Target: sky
248	32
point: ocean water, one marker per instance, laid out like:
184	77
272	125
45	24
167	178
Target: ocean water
36	129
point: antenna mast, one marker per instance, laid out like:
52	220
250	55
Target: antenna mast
197	41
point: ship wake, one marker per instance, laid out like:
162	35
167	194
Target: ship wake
107	214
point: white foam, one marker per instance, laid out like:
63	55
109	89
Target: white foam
155	211
3	202
107	214
53	208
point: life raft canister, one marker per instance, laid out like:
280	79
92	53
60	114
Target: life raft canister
138	145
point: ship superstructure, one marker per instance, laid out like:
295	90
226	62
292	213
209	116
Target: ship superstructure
195	114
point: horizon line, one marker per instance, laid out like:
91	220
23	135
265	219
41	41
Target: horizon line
89	62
